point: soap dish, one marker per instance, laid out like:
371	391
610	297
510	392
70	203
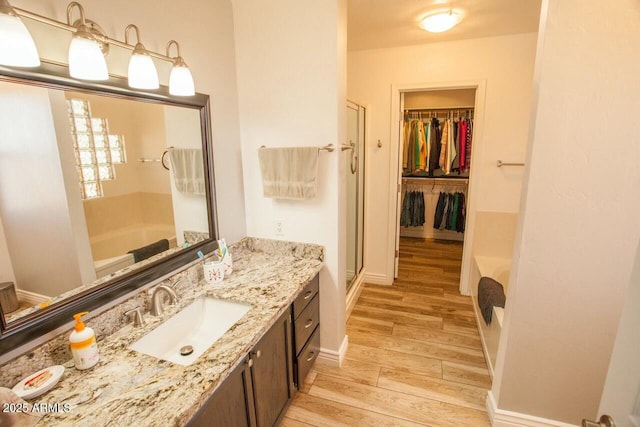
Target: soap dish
39	383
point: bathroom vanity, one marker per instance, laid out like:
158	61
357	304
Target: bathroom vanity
247	377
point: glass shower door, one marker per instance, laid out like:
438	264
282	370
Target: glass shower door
355	191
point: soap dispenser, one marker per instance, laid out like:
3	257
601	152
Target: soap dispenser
83	344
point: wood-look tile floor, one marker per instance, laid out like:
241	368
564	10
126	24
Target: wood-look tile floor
414	355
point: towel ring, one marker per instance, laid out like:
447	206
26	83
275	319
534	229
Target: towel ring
164	155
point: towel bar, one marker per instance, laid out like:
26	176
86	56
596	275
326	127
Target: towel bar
328	147
500	163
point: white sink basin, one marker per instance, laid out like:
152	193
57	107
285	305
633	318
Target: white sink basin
199	325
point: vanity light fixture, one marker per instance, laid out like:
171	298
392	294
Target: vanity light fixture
88	49
86	56
142	71
17	48
441	21
180	80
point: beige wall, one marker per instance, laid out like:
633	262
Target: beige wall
505	63
142	125
440	99
205	34
291	84
579	231
108	214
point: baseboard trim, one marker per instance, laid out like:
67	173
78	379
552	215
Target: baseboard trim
378	279
502	418
332	357
354	292
30	297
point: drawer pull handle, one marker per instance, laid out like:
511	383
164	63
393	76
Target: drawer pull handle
249	363
310	358
257	354
308	324
308	295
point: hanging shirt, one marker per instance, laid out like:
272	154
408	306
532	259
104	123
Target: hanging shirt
444	146
422	163
452	152
467	161
434	153
427	137
462	141
406	134
455	162
411	152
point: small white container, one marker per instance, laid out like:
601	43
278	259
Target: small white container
213	272
228	264
83	344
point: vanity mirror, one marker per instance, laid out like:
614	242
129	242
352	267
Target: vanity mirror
102	189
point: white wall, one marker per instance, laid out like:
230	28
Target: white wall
34	211
205	33
579	230
189	210
505	63
6	269
291	86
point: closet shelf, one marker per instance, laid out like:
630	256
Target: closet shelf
428	180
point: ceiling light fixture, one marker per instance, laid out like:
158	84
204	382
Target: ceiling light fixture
142	71
180	80
17	48
441	21
86	55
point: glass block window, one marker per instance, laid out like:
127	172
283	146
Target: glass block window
95	149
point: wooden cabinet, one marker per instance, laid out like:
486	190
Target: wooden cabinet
230	405
259	390
306	330
257	393
272	373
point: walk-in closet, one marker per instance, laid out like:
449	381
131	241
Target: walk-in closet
436	143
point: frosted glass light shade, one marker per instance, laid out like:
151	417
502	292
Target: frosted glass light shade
181	81
142	72
17	48
440	22
86	60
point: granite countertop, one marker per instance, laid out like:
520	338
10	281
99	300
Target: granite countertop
127	387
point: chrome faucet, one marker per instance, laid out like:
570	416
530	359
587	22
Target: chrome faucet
156	299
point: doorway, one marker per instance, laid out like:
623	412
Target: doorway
442	96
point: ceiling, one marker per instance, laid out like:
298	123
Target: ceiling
376	24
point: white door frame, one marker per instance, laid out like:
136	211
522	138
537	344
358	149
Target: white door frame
476	154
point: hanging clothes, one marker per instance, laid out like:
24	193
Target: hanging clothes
434	154
412	214
429	145
406	134
450	213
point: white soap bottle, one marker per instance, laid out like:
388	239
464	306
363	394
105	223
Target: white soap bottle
83	344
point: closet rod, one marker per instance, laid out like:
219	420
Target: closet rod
427	110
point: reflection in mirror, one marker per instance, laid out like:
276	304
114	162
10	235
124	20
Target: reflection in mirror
84	196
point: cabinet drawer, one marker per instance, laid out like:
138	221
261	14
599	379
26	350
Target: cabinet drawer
307	356
306	323
306	296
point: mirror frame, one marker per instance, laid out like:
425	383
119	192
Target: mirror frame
56	76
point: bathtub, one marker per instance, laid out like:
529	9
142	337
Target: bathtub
498	269
110	249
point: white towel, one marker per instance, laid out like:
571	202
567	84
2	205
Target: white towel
289	173
188	170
